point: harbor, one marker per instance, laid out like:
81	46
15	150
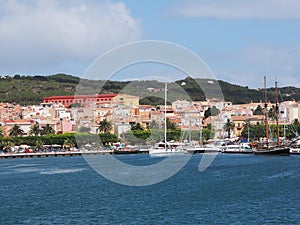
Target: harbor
230	149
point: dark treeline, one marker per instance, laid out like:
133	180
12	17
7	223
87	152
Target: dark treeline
29	89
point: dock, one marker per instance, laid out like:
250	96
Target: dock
60	153
53	154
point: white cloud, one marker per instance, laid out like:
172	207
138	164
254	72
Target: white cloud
248	66
37	33
279	61
239	9
283	58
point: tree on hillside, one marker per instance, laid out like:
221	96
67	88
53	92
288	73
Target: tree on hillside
47	130
16	131
229	125
104	126
35	130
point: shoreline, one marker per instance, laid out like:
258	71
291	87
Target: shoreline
53	154
80	153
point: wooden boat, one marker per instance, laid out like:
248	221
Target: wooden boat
126	151
267	148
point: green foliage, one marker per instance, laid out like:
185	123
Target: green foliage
229	125
1	131
46	130
257	131
75	105
16	131
84	129
35	130
27	90
272	114
108	138
152	100
258	111
137	127
137	136
67	139
105	126
213	111
171	125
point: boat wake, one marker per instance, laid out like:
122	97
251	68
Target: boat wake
280	175
60	171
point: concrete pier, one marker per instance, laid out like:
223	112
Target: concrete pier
52	154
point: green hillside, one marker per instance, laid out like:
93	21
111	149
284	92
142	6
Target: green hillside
27	90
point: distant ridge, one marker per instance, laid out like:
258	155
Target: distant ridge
27	90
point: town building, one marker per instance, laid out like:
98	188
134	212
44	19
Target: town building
83	100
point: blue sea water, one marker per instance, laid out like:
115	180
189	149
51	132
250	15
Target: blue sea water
235	189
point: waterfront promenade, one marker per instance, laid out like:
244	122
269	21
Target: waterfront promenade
52	154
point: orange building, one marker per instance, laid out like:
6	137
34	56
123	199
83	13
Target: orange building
81	99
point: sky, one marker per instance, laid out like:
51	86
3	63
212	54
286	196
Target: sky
240	40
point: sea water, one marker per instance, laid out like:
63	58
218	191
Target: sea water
234	189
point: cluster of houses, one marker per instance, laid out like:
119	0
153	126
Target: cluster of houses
70	113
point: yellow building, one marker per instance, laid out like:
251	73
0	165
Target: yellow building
239	122
126	100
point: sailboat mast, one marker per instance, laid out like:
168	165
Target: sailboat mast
277	114
166	86
266	111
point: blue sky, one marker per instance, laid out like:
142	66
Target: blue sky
239	40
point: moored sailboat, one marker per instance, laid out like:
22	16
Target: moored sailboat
166	148
269	148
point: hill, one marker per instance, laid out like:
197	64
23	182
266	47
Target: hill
27	90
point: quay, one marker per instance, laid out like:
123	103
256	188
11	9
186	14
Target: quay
53	154
66	153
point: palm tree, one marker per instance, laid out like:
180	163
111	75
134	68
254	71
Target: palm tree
16	131
272	113
247	126
47	130
229	125
35	130
105	126
1	131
